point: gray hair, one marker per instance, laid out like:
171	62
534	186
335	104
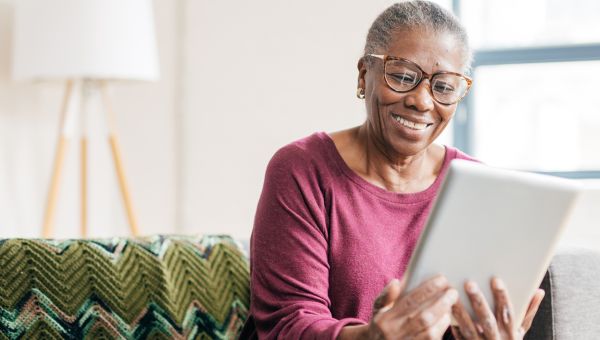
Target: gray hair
411	15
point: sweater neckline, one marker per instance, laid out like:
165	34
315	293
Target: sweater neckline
408	198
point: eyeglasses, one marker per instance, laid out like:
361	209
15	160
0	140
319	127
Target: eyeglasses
403	75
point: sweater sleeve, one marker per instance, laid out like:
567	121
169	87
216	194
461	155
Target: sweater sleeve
289	253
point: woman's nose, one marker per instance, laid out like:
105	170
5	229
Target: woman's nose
420	98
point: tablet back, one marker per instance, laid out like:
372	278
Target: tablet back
493	222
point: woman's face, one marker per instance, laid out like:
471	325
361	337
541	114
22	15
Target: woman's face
387	110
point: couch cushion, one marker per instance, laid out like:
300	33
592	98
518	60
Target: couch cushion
157	287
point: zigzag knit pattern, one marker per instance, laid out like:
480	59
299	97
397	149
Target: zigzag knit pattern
158	288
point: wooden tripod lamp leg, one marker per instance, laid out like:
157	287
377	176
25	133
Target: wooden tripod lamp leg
87	90
114	146
84	182
117	159
61	146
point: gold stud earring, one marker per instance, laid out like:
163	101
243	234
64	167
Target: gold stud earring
360	93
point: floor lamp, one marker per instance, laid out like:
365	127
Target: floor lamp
86	44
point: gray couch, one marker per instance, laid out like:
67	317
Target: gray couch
571	308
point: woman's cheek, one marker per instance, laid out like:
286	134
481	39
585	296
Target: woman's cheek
389	97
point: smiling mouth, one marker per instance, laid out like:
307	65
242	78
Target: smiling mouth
410	124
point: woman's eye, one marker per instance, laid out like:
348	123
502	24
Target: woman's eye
404	78
443	88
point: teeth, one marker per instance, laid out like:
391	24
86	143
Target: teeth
409	124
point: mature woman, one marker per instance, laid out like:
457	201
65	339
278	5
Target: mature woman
340	213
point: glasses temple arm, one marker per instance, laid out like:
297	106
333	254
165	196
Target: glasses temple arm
379	56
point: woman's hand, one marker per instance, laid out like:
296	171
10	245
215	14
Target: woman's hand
497	324
423	313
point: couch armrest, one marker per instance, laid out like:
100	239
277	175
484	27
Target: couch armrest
151	287
571	308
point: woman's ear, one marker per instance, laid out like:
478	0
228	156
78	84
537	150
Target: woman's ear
362	70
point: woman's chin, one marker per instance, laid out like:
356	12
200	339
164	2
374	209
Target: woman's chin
406	148
409	143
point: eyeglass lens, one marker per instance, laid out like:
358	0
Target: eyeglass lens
446	88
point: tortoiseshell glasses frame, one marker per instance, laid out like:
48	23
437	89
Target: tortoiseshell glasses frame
445	87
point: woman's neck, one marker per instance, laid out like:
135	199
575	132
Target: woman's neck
384	167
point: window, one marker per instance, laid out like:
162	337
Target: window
538	116
518	23
533	105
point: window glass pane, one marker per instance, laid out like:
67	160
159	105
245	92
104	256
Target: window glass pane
514	23
538	116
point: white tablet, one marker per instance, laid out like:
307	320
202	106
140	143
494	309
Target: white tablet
493	222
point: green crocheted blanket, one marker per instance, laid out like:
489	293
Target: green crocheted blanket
159	288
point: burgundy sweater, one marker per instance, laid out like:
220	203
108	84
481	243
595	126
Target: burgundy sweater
325	242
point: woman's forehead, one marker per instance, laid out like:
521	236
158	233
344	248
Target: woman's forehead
433	51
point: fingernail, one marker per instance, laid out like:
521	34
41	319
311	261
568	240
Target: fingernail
498	283
440	281
505	315
471	287
387	287
479	328
451	296
467	333
428	318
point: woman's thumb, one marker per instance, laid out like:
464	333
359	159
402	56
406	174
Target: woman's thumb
388	295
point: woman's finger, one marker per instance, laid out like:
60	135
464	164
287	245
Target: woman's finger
430	312
466	326
425	291
456	333
503	306
486	322
390	293
455	330
436	331
534	305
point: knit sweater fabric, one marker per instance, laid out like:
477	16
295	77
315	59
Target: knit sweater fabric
326	241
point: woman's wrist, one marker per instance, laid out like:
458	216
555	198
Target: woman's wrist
353	332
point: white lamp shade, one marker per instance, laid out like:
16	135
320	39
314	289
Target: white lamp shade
96	39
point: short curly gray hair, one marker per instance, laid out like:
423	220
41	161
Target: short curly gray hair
416	14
